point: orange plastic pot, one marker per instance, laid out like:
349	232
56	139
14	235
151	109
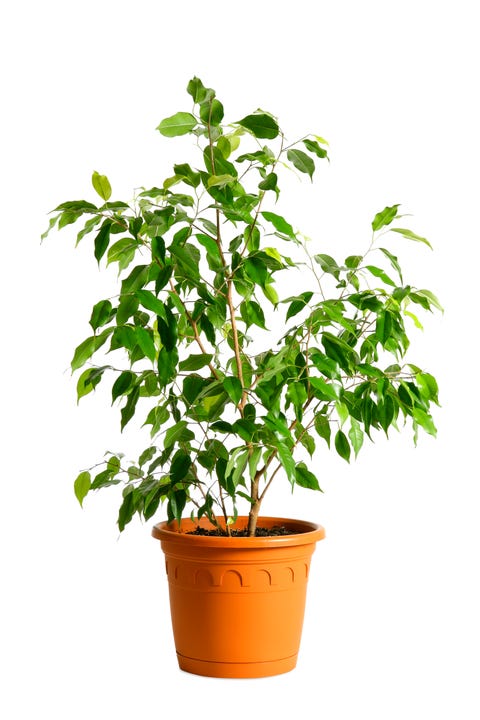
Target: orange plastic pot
237	604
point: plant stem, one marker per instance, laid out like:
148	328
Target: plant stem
196	334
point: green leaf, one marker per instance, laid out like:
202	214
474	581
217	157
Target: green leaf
261	125
220	180
384	217
221	426
280	224
83	353
163	277
179	432
189	257
168	330
328	264
302	162
101	185
412	236
128	411
209	226
88	381
370	371
297	394
195	362
379	273
208	329
270	293
265	157
214	258
383	326
256	270
342	445
179	124
279	426
153	499
305	478
167	365
68	217
88	227
428	386
81	486
424	420
234	389
342	411
253	460
211	112
386	412
415	319
156	417
102	240
307	440
324	364
394	262
337	350
102	337
356	435
51	224
197	90
328	391
366	300
286	458
431	298
104	479
187	175
212	405
214	159
82	205
323	428
137	279
269	183
145	341
313	146
236	465
150	302
225	146
252	314
353	261
127	307
298	304
122	384
275	255
147	455
102	312
122	251
180	466
176	503
127	508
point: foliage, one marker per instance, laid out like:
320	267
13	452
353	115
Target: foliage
199	258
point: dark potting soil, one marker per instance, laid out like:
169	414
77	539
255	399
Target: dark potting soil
243	532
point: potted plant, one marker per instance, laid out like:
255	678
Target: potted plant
240	377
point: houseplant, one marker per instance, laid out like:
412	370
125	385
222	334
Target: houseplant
204	273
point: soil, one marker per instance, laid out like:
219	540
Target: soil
242	532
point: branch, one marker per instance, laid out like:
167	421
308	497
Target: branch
196	334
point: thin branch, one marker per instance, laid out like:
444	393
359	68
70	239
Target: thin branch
196	334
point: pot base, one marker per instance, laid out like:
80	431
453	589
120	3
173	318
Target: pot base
236	670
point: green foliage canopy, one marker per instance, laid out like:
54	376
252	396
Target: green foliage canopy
196	268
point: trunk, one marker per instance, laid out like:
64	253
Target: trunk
253	518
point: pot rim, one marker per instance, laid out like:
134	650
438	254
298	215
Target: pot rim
306	533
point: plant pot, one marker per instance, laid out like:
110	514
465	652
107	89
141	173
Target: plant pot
237	604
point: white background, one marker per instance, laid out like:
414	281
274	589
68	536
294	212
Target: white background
392	626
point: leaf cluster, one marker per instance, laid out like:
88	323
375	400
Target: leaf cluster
200	259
